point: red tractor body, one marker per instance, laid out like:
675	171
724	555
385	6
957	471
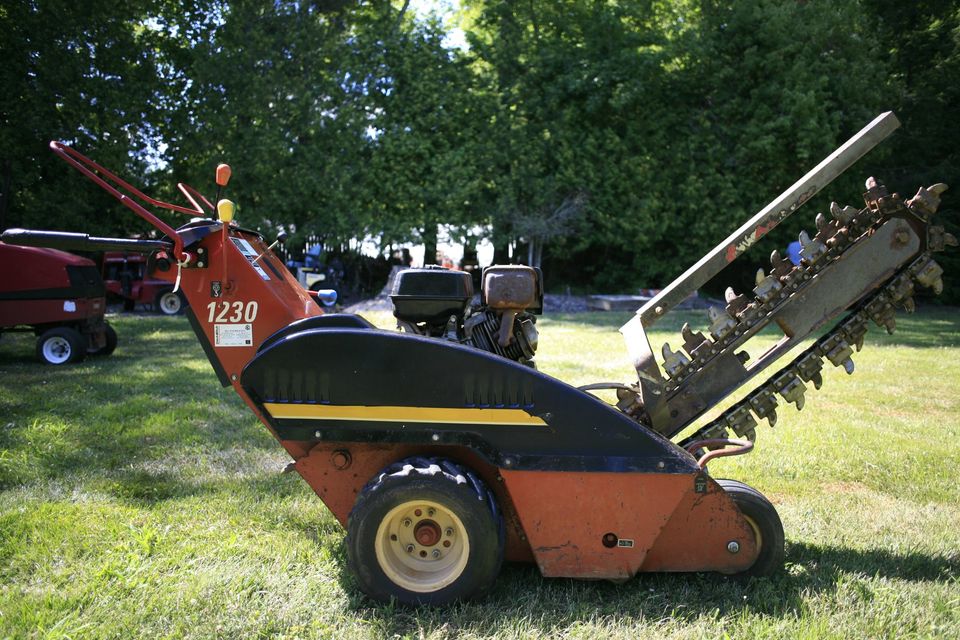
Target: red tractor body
58	296
126	279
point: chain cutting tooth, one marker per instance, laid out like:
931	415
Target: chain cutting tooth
741	422
673	361
808	368
843	215
927	200
882	313
735	303
854	330
764	404
811	249
791	387
779	266
694	343
838	352
930	276
938	239
686	333
721	323
900	288
767	288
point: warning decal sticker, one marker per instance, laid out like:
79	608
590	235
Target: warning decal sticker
233	335
250	254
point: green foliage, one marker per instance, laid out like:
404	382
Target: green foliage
620	141
82	72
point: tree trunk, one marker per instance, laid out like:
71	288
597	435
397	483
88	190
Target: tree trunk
430	244
501	248
6	180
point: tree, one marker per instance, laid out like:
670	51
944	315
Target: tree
429	152
679	120
70	74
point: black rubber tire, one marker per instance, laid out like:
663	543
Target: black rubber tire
764	517
111	344
61	345
129	305
164	303
433	480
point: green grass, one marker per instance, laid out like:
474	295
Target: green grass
139	499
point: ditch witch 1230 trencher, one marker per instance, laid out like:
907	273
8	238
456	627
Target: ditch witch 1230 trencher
442	449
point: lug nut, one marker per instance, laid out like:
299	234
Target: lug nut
448	531
407	522
410	548
436	553
430	512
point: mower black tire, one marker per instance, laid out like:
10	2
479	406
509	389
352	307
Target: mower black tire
61	345
110	346
766	525
425	531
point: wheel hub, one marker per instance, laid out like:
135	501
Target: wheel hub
427	533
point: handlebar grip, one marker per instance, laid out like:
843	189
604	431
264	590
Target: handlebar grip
80	241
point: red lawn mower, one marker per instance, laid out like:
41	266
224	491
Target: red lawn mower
57	296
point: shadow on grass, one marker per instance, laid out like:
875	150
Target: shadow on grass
521	597
103	415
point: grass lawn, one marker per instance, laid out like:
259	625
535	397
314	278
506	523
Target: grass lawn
139	499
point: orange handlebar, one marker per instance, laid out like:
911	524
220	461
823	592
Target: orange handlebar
116	187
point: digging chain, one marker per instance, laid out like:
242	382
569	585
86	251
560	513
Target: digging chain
846	228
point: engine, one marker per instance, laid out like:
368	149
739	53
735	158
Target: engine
437	302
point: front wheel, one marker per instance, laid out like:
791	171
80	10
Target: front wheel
61	345
766	525
169	303
425	531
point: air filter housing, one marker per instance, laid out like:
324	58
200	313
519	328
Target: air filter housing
431	295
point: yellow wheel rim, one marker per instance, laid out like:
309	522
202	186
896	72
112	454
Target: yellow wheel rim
422	546
757	536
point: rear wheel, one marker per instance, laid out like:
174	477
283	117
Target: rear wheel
111	344
168	303
766	525
425	531
61	345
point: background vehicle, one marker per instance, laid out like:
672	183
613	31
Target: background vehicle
125	277
58	296
443	451
314	274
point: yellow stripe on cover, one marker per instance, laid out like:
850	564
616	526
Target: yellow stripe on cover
512	417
